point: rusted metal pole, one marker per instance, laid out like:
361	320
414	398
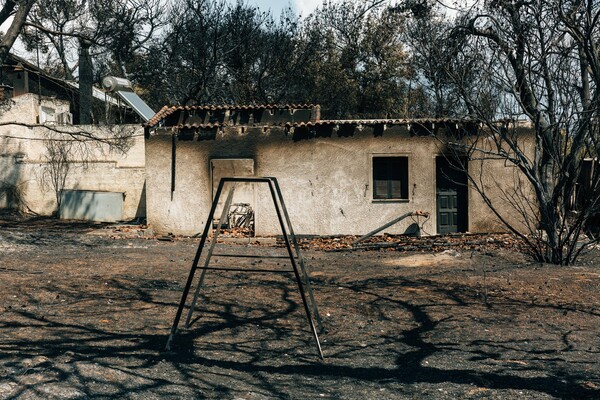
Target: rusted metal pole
211	249
188	284
392	222
291	244
295	267
303	266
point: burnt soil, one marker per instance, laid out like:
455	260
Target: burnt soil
85	311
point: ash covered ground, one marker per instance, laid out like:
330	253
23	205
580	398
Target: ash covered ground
85	311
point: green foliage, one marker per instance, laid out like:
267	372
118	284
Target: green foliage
358	61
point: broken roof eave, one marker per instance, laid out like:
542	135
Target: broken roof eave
167	111
428	124
189	120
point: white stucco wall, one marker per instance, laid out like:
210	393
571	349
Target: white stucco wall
93	166
506	187
326	182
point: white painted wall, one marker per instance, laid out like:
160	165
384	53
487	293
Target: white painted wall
24	160
326	182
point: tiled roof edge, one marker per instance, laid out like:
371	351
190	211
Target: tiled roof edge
168	110
367	122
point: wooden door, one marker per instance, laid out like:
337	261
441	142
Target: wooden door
451	197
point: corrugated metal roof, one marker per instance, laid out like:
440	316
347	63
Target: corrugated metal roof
96	93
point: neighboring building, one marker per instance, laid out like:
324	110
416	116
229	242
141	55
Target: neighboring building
37	161
337	176
19	77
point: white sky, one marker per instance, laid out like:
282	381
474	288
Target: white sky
303	7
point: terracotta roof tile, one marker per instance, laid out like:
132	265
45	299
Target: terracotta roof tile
200	125
168	110
163	112
402	121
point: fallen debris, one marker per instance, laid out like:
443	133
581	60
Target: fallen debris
461	243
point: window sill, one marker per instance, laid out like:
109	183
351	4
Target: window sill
390	201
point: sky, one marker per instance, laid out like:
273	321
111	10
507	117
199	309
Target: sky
303	7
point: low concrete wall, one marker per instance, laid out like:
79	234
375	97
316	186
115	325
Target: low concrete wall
326	182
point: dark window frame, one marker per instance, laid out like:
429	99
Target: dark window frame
390	177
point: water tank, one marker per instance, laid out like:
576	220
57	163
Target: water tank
114	84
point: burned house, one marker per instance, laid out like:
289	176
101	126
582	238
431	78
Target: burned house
337	176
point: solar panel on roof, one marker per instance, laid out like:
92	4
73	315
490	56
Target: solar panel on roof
135	102
124	90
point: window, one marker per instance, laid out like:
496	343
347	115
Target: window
390	178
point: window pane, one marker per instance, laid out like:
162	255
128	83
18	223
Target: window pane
396	189
380	189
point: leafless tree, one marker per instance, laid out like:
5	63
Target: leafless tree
57	166
542	60
18	10
117	30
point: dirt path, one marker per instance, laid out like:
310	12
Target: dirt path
85	315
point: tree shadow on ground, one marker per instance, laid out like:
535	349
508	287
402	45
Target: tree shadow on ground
240	343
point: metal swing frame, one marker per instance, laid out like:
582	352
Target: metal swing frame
291	244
